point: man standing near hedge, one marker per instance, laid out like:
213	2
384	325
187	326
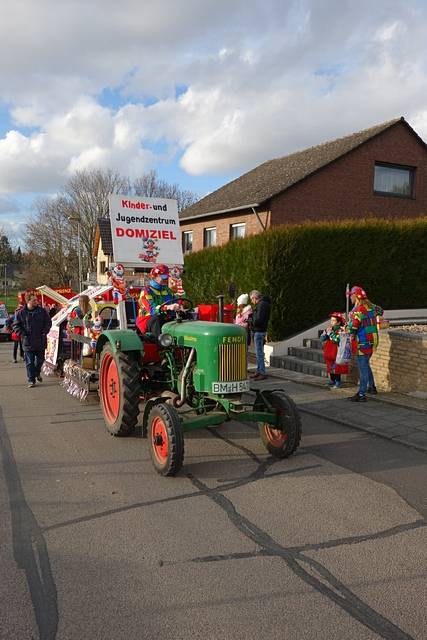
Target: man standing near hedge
260	320
32	324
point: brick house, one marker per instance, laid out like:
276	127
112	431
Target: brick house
377	172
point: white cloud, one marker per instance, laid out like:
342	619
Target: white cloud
263	78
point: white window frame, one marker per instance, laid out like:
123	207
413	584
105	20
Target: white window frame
206	232
186	234
237	225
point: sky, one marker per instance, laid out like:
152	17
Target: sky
200	90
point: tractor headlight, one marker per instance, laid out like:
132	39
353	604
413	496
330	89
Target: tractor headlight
165	339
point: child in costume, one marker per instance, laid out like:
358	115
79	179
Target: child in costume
331	339
77	322
244	314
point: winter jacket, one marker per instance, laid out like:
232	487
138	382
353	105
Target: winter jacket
243	319
32	325
331	339
261	315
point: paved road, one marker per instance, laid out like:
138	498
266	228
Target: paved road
330	544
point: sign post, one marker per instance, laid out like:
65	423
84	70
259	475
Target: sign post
145	231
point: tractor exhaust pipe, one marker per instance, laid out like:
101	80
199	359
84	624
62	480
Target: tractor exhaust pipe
220	299
178	402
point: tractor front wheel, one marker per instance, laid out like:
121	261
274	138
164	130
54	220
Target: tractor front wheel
166	439
119	382
282	443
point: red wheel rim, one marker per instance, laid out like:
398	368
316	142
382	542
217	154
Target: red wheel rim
159	440
275	437
110	388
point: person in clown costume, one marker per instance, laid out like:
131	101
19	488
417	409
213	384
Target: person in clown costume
363	328
117	280
156	302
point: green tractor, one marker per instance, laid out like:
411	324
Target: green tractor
191	377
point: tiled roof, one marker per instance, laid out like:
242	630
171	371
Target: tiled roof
105	233
274	176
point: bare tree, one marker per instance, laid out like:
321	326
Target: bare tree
51	256
85	198
151	186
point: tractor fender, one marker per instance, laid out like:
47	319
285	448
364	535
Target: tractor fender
120	340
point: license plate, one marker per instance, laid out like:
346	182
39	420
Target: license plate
230	387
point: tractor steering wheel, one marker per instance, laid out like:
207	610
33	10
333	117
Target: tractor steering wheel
181	312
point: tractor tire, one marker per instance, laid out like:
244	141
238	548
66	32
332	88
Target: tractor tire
166	439
119	382
282	444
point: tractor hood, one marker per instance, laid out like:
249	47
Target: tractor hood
220	362
191	332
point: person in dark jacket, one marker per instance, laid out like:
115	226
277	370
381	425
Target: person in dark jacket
17	344
260	320
32	324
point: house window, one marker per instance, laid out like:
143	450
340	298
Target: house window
187	241
394	180
209	237
102	267
237	230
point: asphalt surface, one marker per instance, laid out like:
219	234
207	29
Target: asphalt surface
329	544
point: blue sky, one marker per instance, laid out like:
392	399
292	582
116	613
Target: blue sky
199	91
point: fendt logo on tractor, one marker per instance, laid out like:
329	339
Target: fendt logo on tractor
191	375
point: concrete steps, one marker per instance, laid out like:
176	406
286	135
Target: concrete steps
307	359
307	353
301	365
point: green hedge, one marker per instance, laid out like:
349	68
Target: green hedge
304	268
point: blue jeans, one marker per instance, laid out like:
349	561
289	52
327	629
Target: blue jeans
366	377
259	351
33	362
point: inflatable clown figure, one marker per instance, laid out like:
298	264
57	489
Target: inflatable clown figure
175	280
95	332
117	280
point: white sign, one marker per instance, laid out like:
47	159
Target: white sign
145	231
230	387
51	353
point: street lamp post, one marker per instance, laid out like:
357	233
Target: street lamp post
79	253
4	266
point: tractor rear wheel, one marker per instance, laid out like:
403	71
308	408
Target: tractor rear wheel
166	439
119	382
282	444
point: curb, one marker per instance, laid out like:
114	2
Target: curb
386	401
352	425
